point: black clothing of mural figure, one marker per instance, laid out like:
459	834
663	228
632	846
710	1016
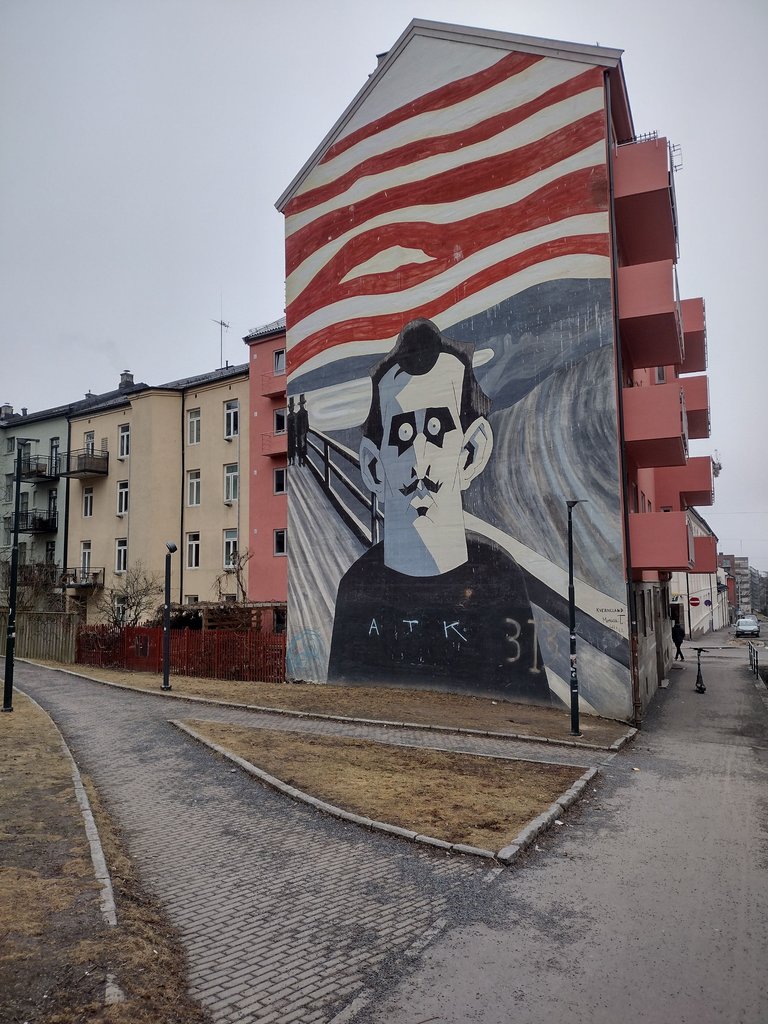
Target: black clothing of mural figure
678	635
470	629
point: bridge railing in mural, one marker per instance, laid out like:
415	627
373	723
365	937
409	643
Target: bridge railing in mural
358	509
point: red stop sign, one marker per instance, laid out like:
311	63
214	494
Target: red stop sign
695	601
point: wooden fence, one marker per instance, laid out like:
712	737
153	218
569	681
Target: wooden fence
45	636
210	654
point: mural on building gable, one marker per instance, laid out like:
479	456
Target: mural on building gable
450	342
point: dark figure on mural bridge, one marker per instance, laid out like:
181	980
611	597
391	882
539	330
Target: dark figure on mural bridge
678	635
432	605
302	430
291	431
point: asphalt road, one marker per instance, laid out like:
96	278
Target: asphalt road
649	904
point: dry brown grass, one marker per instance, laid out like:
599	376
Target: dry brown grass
56	950
480	801
425	707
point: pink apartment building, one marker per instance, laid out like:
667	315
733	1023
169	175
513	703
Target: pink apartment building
268	484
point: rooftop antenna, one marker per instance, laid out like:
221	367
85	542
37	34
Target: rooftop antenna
222	325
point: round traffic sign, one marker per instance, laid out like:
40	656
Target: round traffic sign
695	601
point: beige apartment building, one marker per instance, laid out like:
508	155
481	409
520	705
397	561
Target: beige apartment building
164	465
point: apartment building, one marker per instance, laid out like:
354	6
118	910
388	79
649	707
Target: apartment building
161	466
42	439
699	599
485	333
269	426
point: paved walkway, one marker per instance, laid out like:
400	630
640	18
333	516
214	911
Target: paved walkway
286	914
649	904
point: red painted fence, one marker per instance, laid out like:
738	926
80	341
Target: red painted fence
210	654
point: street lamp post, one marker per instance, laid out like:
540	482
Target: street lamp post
167	617
572	623
10	642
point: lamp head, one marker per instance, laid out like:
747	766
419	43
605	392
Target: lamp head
171	546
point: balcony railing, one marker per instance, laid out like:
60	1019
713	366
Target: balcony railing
661	541
37	520
39	468
646	214
32	574
84	462
695	334
655	425
650	318
272	384
274	444
78	577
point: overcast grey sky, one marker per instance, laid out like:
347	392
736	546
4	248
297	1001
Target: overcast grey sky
144	143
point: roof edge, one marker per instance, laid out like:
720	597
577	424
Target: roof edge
599	55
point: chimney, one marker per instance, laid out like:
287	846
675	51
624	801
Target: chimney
6	410
126	380
23	411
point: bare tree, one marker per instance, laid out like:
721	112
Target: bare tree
133	598
235	571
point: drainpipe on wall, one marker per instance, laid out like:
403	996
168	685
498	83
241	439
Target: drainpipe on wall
182	545
687	612
637	704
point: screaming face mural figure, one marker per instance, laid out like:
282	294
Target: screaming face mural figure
432	605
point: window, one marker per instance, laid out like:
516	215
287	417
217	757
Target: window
230	548
8	493
121	554
193	426
661	374
54	453
231	418
89	442
281	420
122	497
193	550
193	487
280	361
121	607
123	440
280	487
85	557
279	619
190	599
281	542
50	552
231	482
10	445
53	502
87	502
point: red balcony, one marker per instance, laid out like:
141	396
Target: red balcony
695	336
691	484
646	218
696	405
660	541
274	444
649	315
654	425
705	550
272	385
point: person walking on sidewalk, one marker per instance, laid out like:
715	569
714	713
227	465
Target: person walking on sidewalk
678	635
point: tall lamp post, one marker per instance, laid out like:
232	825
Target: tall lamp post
572	623
167	617
10	641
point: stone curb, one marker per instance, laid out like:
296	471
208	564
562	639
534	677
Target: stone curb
506	855
616	745
544	820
